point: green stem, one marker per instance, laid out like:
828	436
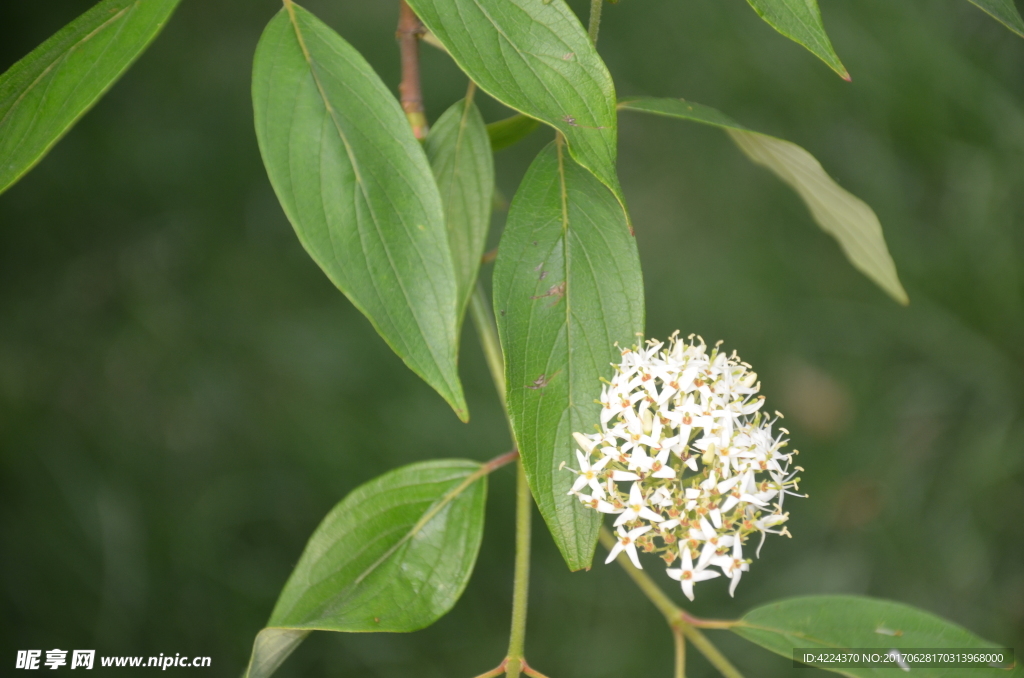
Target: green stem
678	620
710	652
483	320
680	654
595	19
521	585
653	592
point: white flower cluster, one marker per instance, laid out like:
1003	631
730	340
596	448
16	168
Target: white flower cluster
686	459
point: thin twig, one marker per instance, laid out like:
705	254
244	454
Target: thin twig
496	671
501	460
410	30
532	672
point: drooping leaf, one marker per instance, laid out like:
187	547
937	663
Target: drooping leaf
535	57
45	93
460	154
844	622
394	555
511	130
800	21
841	214
1005	12
358	190
567	287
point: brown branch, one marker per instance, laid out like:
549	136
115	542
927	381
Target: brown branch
410	30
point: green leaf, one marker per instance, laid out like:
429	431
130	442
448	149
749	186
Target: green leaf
460	154
535	57
832	622
800	21
1005	12
567	287
394	555
45	93
841	214
511	130
358	190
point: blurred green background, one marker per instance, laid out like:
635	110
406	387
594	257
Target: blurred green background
183	395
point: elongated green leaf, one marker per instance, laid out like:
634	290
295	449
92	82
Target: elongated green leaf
394	555
840	622
460	154
800	21
45	93
358	189
1005	12
511	130
841	214
535	57
567	287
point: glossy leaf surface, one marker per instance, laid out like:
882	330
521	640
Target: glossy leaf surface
45	93
567	287
800	21
394	555
1005	12
358	189
460	154
535	57
839	622
841	214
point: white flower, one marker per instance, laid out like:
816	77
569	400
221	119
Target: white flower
687	575
733	567
685	427
636	507
627	543
588	475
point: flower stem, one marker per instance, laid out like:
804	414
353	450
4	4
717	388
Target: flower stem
653	592
710	652
678	620
595	19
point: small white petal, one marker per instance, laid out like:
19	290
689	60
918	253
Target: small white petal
716	518
687	585
631	550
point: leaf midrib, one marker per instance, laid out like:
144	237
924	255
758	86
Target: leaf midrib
427	516
63	57
290	8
